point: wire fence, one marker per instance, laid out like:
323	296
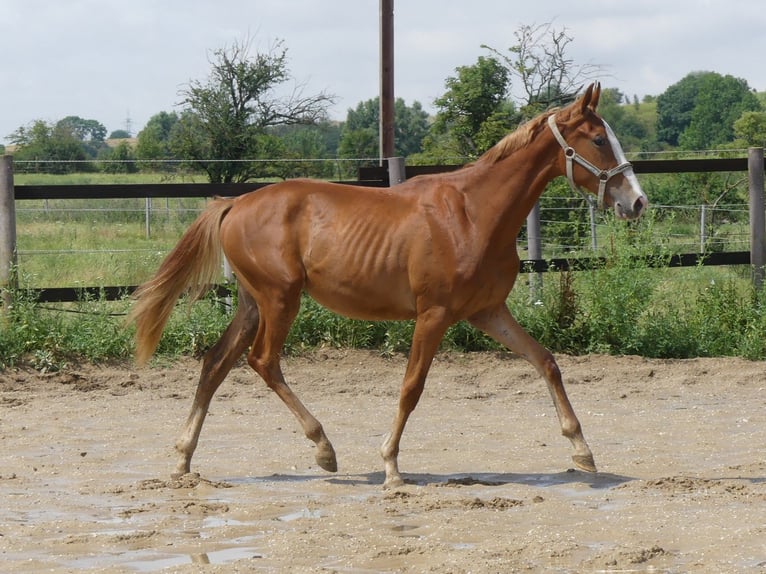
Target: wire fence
122	241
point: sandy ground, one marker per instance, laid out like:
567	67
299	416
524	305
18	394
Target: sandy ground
86	457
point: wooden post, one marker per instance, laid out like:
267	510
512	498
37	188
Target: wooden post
386	79
755	166
396	170
703	227
7	229
534	250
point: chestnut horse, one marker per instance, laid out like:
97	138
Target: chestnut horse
436	248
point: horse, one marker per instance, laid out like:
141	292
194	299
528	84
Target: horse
435	248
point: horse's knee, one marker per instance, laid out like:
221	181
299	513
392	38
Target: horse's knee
549	367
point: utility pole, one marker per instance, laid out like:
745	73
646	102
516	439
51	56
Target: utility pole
386	79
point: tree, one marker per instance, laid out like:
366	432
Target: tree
720	102
546	75
154	141
751	128
473	108
699	111
360	133
225	116
674	108
84	130
119	159
119	135
55	145
90	133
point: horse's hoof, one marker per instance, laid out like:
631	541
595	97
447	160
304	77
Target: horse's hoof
393	482
326	460
584	462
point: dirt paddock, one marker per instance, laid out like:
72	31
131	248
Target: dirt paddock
86	456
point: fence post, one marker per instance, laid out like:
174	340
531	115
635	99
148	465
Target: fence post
755	165
534	250
703	227
148	217
593	235
7	229
396	170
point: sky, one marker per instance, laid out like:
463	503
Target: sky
122	62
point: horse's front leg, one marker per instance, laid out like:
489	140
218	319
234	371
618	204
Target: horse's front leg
429	330
498	323
216	364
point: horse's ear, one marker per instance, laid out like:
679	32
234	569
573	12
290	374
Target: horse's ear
587	99
596	96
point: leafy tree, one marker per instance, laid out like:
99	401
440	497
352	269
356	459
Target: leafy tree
82	129
225	116
91	133
699	111
119	159
309	146
721	101
119	135
675	106
154	141
360	133
54	144
473	107
751	128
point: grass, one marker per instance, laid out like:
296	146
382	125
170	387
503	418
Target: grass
66	243
97	178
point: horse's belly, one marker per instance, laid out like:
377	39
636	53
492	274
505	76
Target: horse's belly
376	304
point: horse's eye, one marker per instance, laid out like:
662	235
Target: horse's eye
599	140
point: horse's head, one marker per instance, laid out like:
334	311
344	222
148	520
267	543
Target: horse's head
593	159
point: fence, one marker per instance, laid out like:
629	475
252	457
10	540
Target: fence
378	176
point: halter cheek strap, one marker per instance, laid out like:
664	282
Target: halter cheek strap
572	156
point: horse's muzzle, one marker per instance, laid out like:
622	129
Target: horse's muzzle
631	209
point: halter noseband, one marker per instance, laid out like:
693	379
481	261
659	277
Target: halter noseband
571	155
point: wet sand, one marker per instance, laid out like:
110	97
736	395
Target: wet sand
86	456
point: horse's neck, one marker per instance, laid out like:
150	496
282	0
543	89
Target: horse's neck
503	193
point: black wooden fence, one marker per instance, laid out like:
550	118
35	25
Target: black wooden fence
373	177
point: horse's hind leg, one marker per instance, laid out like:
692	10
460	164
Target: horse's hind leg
277	314
499	324
216	364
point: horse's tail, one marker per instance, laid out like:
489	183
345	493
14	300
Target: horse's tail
192	265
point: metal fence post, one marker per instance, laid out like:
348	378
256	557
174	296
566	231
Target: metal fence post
148	217
534	250
7	229
396	170
593	234
755	178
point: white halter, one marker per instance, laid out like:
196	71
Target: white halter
603	175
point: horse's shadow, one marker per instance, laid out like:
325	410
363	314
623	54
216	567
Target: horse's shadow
598	481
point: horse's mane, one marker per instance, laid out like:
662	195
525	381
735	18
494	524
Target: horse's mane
515	140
